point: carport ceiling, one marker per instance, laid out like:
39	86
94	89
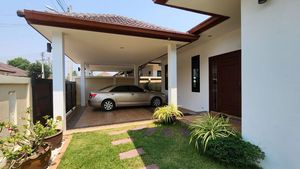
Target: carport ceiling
108	49
112	68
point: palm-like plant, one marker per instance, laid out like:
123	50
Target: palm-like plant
167	114
208	128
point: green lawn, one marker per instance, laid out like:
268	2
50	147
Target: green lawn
94	150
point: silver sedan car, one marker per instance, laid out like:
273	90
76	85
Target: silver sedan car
126	95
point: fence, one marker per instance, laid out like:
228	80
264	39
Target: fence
42	98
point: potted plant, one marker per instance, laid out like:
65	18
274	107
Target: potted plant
23	148
52	135
167	114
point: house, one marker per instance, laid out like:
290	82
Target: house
152	69
9	70
243	61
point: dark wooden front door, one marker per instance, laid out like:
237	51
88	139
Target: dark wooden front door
225	83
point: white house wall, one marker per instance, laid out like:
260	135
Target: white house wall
271	81
228	42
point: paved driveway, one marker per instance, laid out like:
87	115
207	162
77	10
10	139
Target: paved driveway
88	116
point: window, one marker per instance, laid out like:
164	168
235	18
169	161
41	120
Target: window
149	73
159	73
196	74
135	89
120	89
166	77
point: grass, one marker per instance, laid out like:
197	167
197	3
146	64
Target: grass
94	150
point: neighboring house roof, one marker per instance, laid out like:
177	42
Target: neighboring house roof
105	23
12	71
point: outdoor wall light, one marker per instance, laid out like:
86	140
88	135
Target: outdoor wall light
49	47
262	1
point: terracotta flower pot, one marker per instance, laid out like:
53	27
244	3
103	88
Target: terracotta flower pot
40	160
55	140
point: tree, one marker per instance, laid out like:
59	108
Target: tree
35	70
20	63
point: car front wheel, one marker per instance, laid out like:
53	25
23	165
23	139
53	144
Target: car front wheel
108	105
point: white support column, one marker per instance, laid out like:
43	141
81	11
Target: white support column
136	75
82	84
59	91
172	74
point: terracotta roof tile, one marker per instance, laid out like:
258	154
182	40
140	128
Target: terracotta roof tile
118	20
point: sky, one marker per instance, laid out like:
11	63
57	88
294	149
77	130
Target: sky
19	39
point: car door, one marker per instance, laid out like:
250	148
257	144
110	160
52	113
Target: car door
138	95
121	95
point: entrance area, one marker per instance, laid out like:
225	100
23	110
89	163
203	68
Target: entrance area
225	83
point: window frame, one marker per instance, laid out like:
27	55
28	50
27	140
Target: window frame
195	75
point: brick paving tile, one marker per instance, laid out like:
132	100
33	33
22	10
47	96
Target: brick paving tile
131	153
122	141
150	131
117	132
139	128
152	166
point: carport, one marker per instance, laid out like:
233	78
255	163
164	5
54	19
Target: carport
104	40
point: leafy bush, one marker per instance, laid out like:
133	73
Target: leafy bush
20	144
26	141
208	128
49	129
235	151
167	114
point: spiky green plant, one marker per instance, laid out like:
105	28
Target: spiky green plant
208	128
167	114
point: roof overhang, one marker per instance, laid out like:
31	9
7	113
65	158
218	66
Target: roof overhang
212	21
219	10
51	19
105	44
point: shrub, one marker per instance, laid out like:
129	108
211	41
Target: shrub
167	114
235	151
26	141
208	128
20	144
49	129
